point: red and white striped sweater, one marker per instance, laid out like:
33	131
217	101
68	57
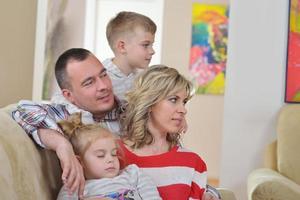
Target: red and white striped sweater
178	174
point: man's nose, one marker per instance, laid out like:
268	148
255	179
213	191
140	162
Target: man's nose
101	84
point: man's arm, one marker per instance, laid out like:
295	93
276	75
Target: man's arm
40	122
72	172
32	116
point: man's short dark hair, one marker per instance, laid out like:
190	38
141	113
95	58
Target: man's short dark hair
77	54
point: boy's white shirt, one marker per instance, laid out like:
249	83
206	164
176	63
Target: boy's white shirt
121	82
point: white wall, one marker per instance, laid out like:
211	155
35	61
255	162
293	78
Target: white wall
17	22
255	86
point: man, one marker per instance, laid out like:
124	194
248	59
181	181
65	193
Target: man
88	89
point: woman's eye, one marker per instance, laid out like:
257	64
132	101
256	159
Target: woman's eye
173	100
185	101
100	156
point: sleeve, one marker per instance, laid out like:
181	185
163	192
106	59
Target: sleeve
199	179
145	186
64	195
33	116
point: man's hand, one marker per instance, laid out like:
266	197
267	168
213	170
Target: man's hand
72	172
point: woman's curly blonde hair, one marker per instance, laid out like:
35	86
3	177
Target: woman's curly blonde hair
153	85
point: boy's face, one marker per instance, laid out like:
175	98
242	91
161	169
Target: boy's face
139	48
100	160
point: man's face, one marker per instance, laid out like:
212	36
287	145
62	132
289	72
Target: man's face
91	87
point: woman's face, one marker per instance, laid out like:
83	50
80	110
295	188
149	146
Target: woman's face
168	115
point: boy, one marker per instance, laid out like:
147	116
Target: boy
130	36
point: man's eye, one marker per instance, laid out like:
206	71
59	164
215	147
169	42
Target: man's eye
87	83
100	156
103	74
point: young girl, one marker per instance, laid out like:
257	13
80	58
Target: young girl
97	151
155	115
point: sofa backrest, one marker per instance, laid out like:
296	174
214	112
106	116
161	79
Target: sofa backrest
288	142
26	171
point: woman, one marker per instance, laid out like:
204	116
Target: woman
154	118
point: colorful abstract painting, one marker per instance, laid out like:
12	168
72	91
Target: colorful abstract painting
292	92
208	54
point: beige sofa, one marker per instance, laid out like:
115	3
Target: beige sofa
280	179
28	172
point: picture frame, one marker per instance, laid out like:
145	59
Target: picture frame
292	81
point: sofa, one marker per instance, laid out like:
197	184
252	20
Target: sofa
26	171
29	172
280	177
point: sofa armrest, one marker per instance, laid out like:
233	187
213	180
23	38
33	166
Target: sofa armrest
270	156
268	184
226	194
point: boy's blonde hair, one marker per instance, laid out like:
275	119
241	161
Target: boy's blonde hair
82	135
152	86
125	22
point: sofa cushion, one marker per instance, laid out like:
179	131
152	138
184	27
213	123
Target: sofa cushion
27	172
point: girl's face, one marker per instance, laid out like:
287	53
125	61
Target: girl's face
100	160
168	115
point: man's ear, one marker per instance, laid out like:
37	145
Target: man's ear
68	95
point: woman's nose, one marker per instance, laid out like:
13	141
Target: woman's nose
182	109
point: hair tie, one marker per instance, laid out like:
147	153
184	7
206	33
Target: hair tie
70	125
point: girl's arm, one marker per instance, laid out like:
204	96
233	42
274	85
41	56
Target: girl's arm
145	186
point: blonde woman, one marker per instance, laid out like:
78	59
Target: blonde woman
153	121
97	151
